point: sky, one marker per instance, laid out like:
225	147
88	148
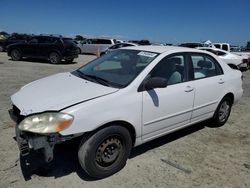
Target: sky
166	21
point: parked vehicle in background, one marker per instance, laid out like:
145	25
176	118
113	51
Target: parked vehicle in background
53	48
192	44
121	100
248	46
3	37
119	41
96	45
14	38
233	60
119	45
140	42
222	46
227	47
79	46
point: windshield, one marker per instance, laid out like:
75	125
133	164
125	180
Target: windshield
118	68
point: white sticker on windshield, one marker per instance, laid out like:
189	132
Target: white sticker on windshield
147	54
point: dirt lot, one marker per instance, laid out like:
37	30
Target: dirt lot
198	156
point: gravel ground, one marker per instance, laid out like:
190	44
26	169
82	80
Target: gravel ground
197	156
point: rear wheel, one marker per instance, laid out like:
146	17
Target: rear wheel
15	55
223	111
105	152
54	58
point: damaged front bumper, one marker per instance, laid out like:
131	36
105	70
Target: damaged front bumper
30	143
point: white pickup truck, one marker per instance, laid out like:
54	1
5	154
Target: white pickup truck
229	48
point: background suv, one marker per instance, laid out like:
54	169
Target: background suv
53	48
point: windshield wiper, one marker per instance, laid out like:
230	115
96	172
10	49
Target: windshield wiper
98	79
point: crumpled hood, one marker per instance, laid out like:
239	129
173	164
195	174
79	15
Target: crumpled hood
57	92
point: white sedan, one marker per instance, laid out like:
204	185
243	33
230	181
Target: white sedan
233	60
121	100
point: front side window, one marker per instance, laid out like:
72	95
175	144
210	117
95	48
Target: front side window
204	66
171	68
117	68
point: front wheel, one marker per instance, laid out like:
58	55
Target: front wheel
15	55
222	112
105	152
54	58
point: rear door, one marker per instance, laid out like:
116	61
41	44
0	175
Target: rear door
45	46
209	83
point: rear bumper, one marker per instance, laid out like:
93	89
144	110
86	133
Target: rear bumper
238	95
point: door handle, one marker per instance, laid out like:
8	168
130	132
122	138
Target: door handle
189	89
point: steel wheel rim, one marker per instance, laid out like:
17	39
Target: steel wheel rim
224	111
15	54
108	151
53	58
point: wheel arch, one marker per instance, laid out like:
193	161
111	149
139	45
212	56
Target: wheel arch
56	51
15	48
122	123
230	95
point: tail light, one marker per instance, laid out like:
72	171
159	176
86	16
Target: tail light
245	61
242	77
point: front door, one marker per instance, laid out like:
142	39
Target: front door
167	109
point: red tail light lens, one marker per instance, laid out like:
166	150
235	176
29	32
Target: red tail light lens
245	61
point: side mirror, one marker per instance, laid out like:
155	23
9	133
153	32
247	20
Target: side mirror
152	83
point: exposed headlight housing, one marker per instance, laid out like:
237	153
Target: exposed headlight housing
48	122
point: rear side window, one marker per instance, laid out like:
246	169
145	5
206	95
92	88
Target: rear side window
46	40
68	40
204	66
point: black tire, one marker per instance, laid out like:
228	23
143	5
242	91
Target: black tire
54	58
105	152
222	112
15	55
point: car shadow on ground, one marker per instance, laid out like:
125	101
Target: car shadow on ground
44	61
66	162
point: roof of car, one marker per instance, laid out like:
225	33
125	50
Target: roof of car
162	49
210	48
